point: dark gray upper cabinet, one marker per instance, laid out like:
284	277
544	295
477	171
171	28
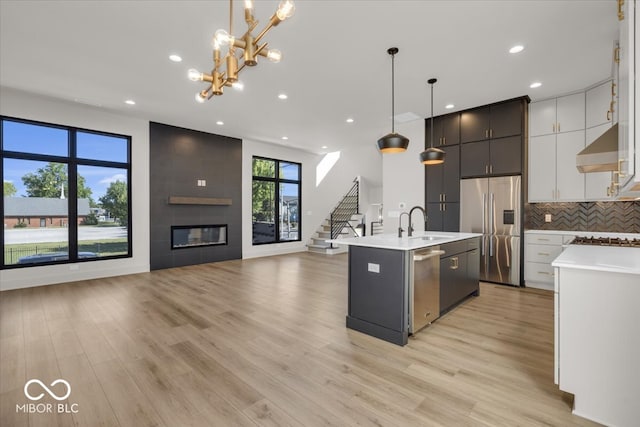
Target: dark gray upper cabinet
506	119
446	130
505	156
492	139
475	124
492	121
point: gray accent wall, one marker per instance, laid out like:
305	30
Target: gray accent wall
179	158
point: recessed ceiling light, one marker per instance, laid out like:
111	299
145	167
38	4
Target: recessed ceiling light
283	96
516	49
175	58
349	120
535	85
130	102
324	147
449	106
219	122
285	138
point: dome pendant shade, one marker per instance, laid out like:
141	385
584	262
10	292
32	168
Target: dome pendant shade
432	156
393	143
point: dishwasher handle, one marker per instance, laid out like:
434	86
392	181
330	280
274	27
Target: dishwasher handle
431	254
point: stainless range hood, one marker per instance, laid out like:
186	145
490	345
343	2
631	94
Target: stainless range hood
601	155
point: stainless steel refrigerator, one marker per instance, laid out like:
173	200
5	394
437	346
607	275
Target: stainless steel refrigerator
491	206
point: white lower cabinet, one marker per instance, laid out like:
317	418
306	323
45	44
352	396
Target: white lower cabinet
539	251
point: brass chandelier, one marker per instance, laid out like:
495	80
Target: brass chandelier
248	45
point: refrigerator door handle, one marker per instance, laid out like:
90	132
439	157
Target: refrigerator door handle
484	212
491	228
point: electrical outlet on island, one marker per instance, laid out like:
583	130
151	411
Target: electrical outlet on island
547	217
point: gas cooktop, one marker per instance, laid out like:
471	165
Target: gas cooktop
606	241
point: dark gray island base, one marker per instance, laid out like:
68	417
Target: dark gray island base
394	292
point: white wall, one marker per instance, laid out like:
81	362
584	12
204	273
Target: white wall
317	200
22	105
403	179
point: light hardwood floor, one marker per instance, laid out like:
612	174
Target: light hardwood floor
263	342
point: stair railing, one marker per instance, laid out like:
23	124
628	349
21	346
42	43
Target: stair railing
342	213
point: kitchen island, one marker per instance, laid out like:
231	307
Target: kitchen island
597	331
398	285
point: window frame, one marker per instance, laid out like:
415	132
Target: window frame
72	162
277	181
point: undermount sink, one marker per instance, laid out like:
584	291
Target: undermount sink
430	237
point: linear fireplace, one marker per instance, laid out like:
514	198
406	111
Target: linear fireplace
190	236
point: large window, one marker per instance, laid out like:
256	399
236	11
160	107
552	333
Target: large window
66	194
276	201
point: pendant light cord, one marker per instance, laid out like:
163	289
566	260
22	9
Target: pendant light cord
431	115
393	129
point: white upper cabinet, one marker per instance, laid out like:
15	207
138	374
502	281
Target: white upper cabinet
599	105
542	168
553	176
628	180
542	117
563	114
569	181
570	113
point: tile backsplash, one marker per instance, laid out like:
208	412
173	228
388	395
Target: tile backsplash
618	217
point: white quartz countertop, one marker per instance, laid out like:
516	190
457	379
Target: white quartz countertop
587	233
615	259
420	239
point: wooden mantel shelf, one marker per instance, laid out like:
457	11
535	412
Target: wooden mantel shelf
211	201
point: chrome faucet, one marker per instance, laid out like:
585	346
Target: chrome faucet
424	215
400	230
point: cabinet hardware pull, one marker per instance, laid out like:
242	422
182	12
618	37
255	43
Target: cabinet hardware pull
543	272
486	168
558	126
616	55
454	263
554	128
611	106
608	115
542	239
543	253
490	168
444	207
490	133
444	197
620	11
613	88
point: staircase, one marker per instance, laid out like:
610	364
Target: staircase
345	220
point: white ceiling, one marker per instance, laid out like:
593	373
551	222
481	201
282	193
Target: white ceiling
334	66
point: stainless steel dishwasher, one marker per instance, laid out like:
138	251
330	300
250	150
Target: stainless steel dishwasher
424	289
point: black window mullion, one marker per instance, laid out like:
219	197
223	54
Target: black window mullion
72	198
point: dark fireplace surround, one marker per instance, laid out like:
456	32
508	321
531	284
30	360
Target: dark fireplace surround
181	160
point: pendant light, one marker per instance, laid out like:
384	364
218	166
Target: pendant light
432	156
393	142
